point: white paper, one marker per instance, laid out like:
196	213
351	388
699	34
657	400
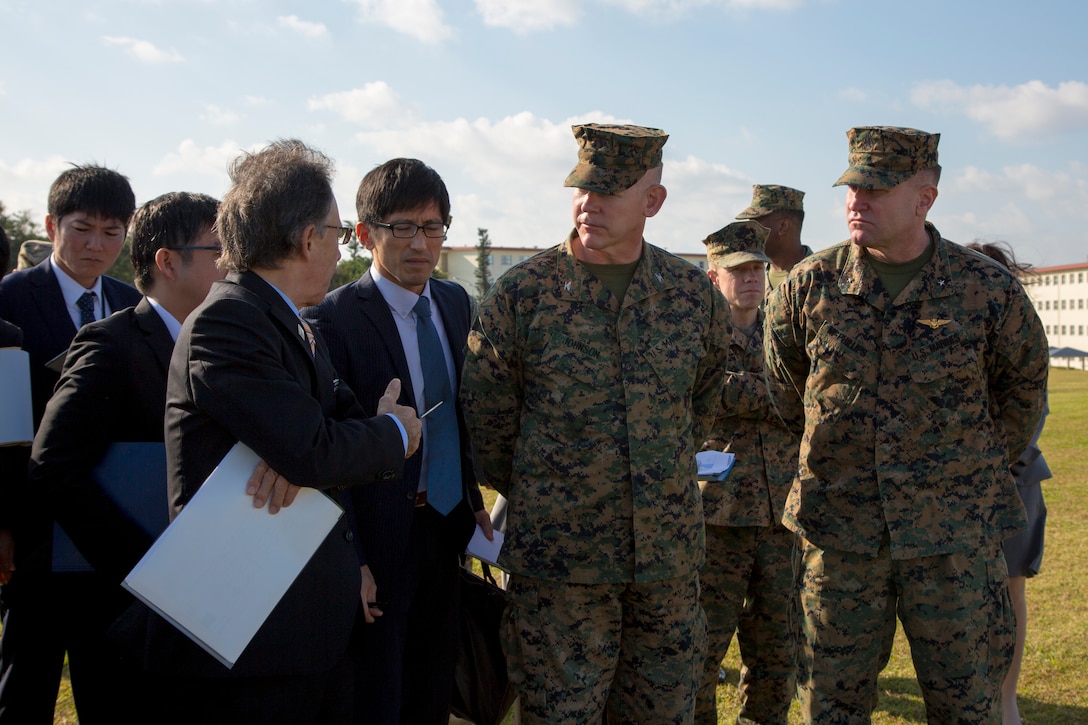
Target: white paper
714	465
222	565
16	414
485	550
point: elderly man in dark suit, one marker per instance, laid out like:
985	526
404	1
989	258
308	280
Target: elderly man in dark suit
246	368
113	389
88	213
410	533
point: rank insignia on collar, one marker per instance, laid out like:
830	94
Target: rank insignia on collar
567	286
934	324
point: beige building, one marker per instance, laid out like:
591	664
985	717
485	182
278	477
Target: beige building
1060	295
459	264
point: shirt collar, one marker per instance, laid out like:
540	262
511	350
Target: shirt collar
73	290
172	325
400	300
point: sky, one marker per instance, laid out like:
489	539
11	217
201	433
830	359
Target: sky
485	91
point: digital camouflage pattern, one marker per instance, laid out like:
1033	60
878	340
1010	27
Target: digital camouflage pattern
882	157
747	580
913	410
747	586
586	414
767	198
737	243
613	157
563	644
955	610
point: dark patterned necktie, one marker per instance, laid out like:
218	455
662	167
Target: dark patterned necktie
443	441
86	304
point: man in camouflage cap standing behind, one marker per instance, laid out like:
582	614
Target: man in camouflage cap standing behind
747	580
592	373
781	209
923	367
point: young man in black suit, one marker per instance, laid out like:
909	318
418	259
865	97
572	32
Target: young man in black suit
113	389
89	210
409	542
246	369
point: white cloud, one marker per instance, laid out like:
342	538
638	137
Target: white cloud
375	104
207	160
421	19
25	184
1026	110
852	95
303	27
678	7
143	51
524	16
218	116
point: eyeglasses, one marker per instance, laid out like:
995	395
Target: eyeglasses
208	247
344	235
407	230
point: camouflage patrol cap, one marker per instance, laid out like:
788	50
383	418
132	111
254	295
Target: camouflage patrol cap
772	197
882	157
737	243
613	157
32	252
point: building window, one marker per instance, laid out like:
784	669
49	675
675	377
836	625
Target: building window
1046	305
523	257
1080	277
1080	329
1063	329
1080	304
506	260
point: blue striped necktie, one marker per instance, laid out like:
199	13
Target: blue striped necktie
443	441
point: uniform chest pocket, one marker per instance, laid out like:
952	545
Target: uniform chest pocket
942	352
841	366
675	361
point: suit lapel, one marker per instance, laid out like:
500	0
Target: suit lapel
154	333
376	310
55	320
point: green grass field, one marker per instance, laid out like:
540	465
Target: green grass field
1054	681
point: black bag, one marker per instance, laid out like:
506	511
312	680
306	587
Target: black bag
481	690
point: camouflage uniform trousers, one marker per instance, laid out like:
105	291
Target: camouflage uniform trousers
747	585
956	613
576	650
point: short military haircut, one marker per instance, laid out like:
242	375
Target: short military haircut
276	193
169	221
92	190
400	185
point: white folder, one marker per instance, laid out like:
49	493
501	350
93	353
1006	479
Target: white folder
222	565
16	414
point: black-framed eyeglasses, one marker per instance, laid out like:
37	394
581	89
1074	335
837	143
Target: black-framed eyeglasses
407	230
344	235
209	247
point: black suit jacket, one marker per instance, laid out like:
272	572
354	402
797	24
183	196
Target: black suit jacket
357	324
112	388
242	371
32	300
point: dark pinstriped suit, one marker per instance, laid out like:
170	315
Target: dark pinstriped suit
415	570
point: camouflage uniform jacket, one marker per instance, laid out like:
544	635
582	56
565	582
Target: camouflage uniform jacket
586	414
750	426
913	409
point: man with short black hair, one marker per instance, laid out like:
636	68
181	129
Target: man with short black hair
88	213
410	534
113	389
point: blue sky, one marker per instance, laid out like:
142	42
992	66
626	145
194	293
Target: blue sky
485	91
